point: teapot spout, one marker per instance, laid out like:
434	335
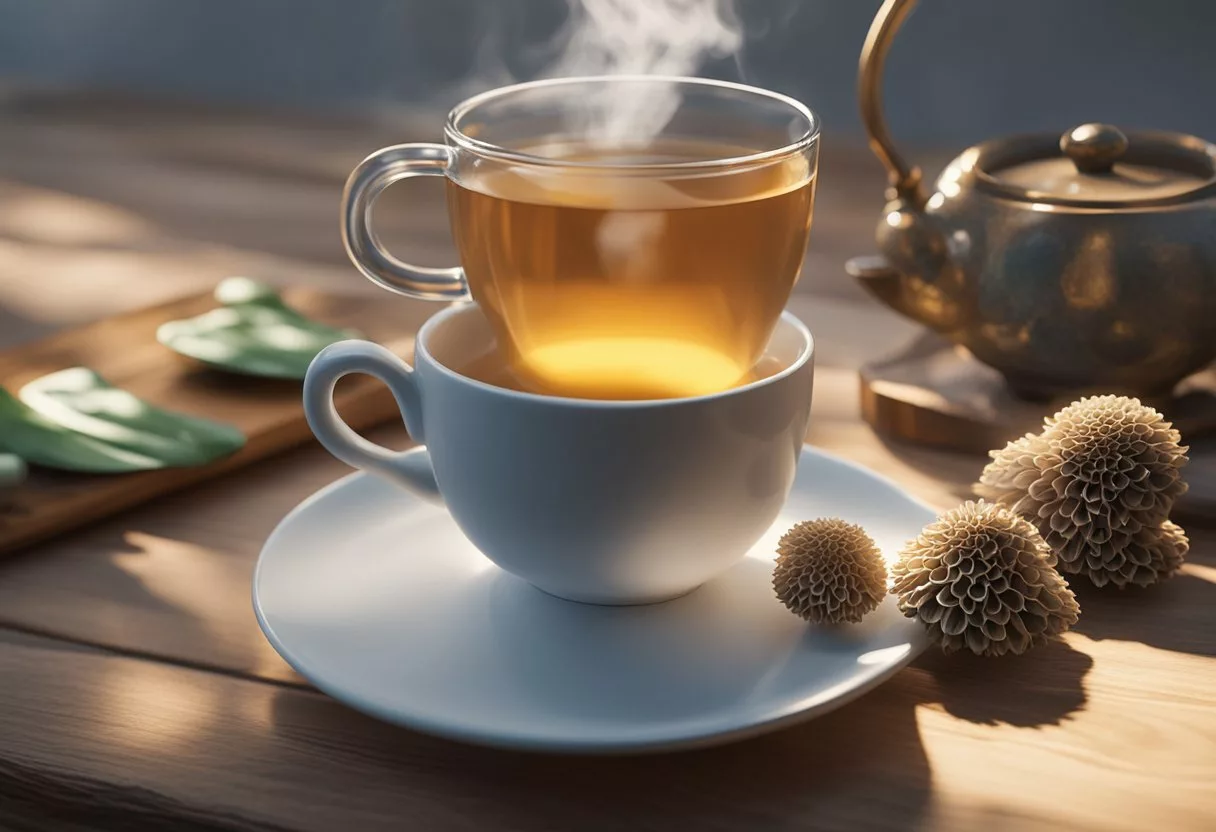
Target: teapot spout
929	302
916	273
878	276
929	299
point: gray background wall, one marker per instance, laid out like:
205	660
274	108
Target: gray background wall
961	71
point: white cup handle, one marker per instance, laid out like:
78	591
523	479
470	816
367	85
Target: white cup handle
409	470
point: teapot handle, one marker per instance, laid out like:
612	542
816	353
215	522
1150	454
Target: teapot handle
905	178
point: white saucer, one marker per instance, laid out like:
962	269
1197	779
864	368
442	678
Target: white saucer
377	598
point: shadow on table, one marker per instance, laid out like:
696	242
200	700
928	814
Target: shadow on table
1177	615
852	769
169	579
956	471
1044	686
121	586
863	766
16	328
194	175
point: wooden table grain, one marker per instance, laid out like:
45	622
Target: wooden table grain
136	691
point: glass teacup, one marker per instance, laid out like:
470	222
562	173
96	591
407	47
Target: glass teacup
626	237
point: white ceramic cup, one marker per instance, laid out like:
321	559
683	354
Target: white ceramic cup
607	502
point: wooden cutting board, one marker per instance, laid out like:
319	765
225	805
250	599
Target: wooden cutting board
269	412
935	394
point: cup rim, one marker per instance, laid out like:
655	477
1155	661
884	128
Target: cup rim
452	132
423	353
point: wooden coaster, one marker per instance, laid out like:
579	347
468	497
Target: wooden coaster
934	393
124	350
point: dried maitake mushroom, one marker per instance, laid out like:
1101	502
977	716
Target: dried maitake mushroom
1098	483
981	578
829	572
1160	551
12	470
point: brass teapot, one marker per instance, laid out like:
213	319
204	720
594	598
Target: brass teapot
1076	263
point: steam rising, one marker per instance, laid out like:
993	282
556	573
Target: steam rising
646	37
640	37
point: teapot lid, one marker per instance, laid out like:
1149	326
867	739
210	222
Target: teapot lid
1099	166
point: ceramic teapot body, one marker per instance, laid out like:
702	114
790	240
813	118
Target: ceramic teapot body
1086	262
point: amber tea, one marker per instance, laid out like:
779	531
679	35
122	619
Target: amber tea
613	276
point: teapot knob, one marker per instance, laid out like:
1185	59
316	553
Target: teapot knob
1094	148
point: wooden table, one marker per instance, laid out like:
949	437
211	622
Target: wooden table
136	691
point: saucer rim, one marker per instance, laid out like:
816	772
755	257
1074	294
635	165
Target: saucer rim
820	702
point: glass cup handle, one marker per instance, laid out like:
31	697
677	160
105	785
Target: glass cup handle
366	182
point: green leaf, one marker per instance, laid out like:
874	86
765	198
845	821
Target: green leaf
235	290
80	400
255	333
12	470
41	441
